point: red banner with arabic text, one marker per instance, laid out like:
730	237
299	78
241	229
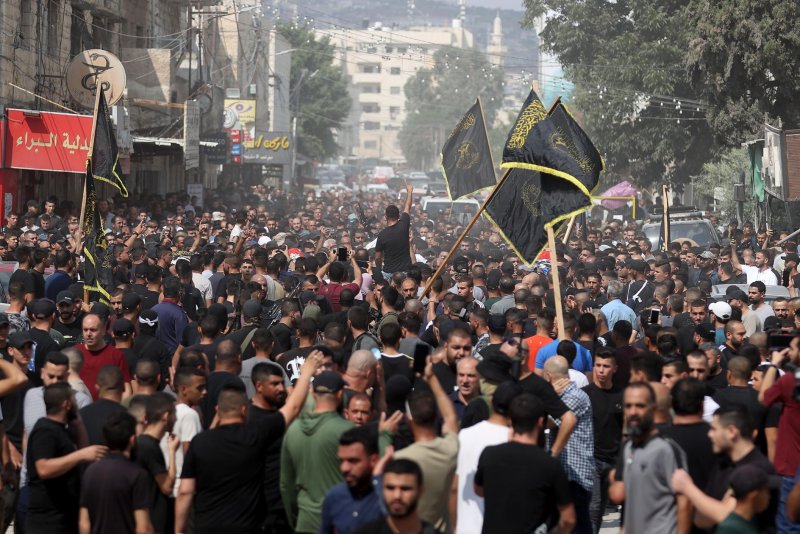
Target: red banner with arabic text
47	141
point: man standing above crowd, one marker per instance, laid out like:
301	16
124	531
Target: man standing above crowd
392	253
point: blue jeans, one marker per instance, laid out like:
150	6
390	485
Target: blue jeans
782	520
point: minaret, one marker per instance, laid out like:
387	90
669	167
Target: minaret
462	11
495	49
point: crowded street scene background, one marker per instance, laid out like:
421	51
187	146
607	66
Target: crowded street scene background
270	362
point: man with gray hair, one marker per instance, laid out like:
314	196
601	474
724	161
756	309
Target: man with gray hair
360	373
577	458
74	373
616	310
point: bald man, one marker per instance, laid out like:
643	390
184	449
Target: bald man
467	385
97	354
577	459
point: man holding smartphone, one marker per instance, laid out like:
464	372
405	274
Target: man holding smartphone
336	269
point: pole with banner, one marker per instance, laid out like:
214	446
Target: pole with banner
472	222
665	217
551	240
98	93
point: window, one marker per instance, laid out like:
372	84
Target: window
394	90
372	125
370	68
372	50
371	88
370	108
389	49
372	145
394	110
395	70
401	50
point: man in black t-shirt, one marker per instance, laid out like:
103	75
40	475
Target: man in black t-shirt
109	386
223	472
225	376
115	494
54	497
606	399
392	249
522	485
160	419
69	319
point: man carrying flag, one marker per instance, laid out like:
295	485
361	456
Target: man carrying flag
466	156
102	164
105	155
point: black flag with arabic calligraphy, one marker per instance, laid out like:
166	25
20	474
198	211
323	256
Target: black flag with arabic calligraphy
98	275
105	154
466	156
552	144
528	201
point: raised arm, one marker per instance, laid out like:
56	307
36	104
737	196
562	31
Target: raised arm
294	402
409	191
443	402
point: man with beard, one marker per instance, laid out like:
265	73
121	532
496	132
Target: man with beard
642	478
352	503
68	319
402	488
761	271
734	339
756	293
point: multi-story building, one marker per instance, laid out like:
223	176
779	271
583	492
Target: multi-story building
379	62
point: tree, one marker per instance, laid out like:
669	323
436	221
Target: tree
626	60
744	57
438	97
318	92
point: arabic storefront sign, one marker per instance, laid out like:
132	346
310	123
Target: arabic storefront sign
270	148
46	141
240	114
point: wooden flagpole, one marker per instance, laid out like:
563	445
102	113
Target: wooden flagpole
569	229
551	241
472	222
98	92
665	215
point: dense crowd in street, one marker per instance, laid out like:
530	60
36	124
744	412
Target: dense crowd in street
271	362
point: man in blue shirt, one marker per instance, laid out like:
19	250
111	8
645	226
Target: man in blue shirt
61	279
583	358
616	310
172	320
354	502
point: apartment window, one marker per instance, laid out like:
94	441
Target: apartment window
372	50
389	49
394	90
371	145
370	108
394	110
395	70
372	125
371	68
401	50
371	88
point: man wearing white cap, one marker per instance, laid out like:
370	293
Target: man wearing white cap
720	315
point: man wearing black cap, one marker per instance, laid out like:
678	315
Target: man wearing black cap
42	314
739	299
131	306
67	323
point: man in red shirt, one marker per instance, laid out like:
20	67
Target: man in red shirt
337	271
544	324
786	458
97	354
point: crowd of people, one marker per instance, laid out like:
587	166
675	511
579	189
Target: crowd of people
278	363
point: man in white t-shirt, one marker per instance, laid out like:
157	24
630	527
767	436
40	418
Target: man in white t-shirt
471	443
761	271
190	384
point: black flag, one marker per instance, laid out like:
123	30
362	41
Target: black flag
105	155
527	202
536	142
583	161
466	156
98	276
